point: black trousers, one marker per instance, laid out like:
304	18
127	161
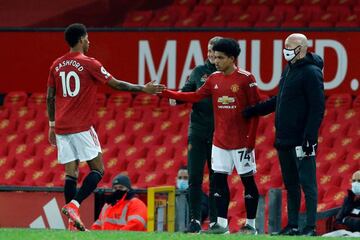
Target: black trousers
199	152
299	174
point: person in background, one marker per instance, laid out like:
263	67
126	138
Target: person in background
349	214
299	109
182	183
123	211
200	136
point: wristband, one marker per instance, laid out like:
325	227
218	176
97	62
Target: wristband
51	123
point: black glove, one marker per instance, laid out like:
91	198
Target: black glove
249	112
308	147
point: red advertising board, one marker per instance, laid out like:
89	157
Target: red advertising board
168	57
39	210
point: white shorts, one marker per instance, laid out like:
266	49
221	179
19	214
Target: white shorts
223	160
83	146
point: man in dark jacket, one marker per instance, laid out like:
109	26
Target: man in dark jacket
349	214
299	109
200	141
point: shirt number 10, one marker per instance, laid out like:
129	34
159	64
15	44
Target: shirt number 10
65	81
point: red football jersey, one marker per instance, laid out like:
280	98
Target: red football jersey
230	95
75	77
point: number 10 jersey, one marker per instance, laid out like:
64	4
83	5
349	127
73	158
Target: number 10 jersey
75	78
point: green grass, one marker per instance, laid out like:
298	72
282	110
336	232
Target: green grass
33	234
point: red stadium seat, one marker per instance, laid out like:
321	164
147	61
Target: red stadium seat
146	100
109	127
22	113
138	19
328	181
4	113
15	99
58	179
217	20
260	10
37	101
167	126
164	18
114	165
28	162
353	156
130	152
6	163
354	130
37	178
138	127
284	11
13	138
129	114
118	139
153	179
12	177
331	155
342	2
342	169
160	153
339	101
322	167
356	103
37	138
193	20
20	150
7	126
334	130
120	100
208	10
149	140
157	114
31	125
335	195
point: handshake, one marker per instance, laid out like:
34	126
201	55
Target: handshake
154	88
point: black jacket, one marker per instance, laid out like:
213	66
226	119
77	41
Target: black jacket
202	117
299	105
347	215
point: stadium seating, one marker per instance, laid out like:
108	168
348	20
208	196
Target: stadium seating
147	139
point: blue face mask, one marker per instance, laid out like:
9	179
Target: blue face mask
355	187
182	184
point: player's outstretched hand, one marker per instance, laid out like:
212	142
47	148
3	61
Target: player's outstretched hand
153	88
52	137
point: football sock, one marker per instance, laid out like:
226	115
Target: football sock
221	195
70	188
251	196
88	186
222	222
250	222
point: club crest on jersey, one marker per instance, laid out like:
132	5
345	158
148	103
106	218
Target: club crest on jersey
203	78
234	88
226	100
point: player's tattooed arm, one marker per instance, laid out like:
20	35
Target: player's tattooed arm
150	87
50	102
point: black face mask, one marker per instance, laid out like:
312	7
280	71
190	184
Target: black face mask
115	196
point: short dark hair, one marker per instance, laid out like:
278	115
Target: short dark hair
74	32
230	47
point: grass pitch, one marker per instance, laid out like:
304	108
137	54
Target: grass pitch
33	234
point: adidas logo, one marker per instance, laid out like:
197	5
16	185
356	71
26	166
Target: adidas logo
53	217
216	86
248	196
217	195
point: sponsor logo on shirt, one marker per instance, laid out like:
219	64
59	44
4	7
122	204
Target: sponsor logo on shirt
226	100
234	88
216	86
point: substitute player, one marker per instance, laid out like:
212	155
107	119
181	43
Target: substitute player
71	97
231	89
